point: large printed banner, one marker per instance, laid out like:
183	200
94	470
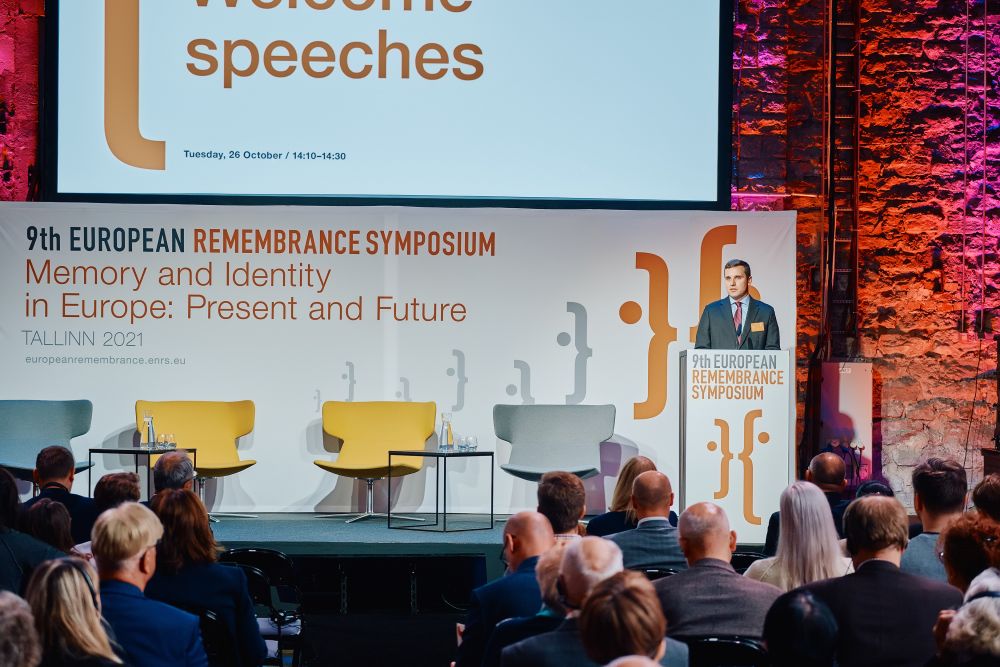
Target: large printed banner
291	307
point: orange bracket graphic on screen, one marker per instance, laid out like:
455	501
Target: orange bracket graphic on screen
121	88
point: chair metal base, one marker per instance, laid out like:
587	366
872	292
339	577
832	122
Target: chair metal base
230	515
368	513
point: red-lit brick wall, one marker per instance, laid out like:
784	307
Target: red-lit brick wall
19	42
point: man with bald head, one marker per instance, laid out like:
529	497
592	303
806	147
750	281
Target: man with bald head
884	615
652	544
710	598
586	562
828	472
526	536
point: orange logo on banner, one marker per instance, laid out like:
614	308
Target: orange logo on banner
121	88
744	457
663	334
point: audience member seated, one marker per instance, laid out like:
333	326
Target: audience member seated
548	618
526	536
969	545
710	598
187	575
620	515
67	613
586	563
19	553
173	470
652	544
808	549
633	661
939	494
49	522
153	634
563	501
828	472
111	490
54	474
884	615
18	639
623	617
972	634
800	631
986	496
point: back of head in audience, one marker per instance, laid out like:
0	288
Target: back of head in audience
562	500
633	661
969	545
800	631
54	464
65	602
49	521
116	488
10	501
622	616
18	639
585	563
939	487
173	470
526	535
124	543
876	527
652	494
621	498
986	496
974	632
828	472
187	537
704	533
874	487
808	549
547	575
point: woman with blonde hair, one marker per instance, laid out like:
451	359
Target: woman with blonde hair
621	514
808	549
67	611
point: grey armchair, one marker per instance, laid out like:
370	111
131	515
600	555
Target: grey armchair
27	427
544	438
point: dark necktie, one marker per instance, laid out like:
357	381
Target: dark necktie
738	322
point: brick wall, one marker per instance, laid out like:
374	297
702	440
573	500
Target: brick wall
19	42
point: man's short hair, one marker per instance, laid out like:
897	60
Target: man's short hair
941	485
733	263
827	468
591	560
55	462
19	645
116	488
562	499
986	496
124	532
172	471
874	523
622	616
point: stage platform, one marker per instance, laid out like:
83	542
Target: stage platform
306	535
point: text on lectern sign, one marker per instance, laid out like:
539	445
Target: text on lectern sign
736	434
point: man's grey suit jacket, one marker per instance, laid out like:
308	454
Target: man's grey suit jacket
563	648
717	332
652	544
710	598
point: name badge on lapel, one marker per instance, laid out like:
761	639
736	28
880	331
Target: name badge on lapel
756	326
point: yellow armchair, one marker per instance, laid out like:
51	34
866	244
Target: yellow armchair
369	430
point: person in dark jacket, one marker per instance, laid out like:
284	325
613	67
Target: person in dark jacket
67	611
188	576
19	553
54	474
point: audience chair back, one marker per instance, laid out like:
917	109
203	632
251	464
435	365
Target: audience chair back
284	627
220	645
725	651
544	438
659	573
276	566
742	560
211	427
27	427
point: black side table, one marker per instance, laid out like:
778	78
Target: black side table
440	491
136	452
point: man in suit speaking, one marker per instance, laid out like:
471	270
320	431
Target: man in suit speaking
738	322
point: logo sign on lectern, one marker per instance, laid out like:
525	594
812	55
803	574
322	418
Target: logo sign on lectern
736	434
